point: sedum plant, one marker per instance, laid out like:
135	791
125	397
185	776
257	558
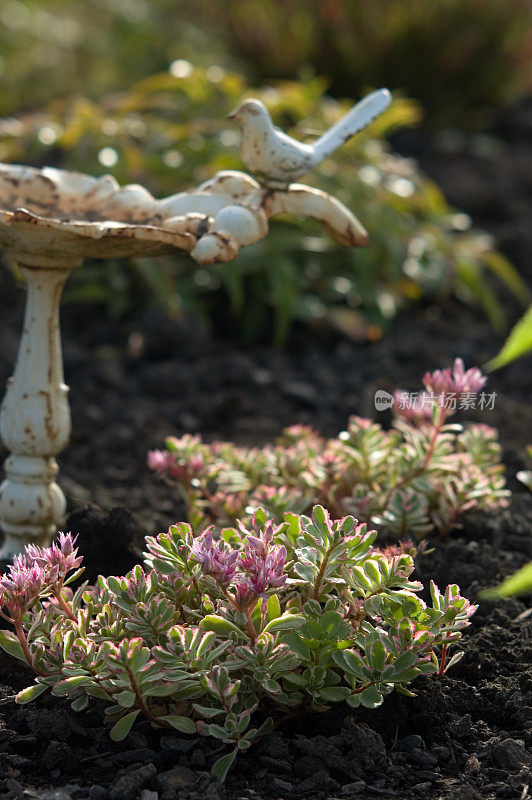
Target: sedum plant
417	479
220	637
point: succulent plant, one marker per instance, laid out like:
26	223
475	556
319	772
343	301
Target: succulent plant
220	636
417	479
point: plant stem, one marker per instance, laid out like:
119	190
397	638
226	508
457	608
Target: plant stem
438	424
193	577
21	636
142	705
63	603
250	628
319	576
443	659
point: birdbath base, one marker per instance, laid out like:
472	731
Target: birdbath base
35	416
49	221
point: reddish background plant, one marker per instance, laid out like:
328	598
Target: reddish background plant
417	479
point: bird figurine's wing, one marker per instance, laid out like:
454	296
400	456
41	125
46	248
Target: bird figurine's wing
354	121
289	155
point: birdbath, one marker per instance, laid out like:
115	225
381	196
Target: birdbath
50	220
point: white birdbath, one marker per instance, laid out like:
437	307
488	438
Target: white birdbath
50	220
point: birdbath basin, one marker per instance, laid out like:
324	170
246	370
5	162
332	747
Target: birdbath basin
50	220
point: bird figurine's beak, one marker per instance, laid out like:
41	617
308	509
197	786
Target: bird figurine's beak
234	112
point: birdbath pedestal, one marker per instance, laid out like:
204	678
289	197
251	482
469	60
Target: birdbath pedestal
50	220
35	413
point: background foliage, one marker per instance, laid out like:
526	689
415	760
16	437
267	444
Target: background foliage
169	131
74	74
460	58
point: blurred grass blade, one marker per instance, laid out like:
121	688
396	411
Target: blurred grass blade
508	274
471	275
162	284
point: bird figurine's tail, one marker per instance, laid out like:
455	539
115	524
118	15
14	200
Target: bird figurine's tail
359	117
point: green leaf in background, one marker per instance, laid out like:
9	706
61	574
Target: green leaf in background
517	584
518	343
507	273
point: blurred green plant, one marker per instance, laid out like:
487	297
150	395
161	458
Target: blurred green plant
67	47
518	343
460	58
169	131
525	475
520	583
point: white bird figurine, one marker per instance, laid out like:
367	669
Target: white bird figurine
277	160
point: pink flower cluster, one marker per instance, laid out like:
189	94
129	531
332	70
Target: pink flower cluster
22	584
455	379
252	571
164	461
36	572
215	559
406	547
262	564
440	385
61	554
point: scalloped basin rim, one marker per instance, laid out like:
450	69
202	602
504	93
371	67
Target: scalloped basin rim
60	214
63	196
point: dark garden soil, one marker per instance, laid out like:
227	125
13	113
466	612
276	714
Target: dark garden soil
464	736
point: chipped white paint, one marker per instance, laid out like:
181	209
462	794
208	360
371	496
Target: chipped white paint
50	220
277	160
35	418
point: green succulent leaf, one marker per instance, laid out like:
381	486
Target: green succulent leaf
182	724
223	765
288	622
371	698
120	729
66	686
334	694
11	645
377	655
30	693
213	622
126	699
80	703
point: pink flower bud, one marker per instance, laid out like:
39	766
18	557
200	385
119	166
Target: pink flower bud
214	558
455	379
